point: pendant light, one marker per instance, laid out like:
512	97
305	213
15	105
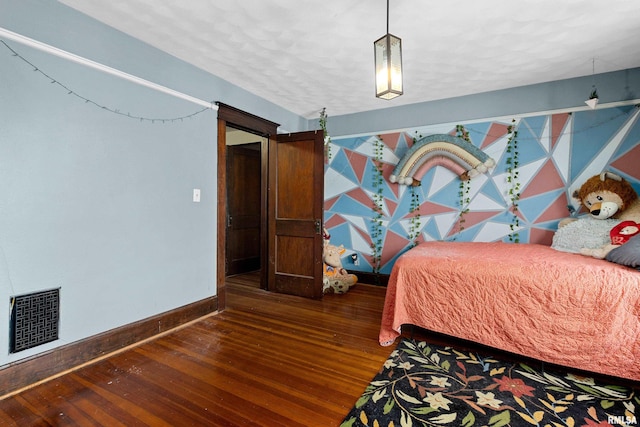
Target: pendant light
388	64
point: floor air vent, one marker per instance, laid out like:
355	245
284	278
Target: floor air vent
34	319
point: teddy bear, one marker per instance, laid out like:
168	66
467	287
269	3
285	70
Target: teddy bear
335	278
608	197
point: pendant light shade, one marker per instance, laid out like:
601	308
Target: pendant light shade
388	64
388	55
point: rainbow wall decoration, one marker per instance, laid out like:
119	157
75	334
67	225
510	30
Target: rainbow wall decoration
463	158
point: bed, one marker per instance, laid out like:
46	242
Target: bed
528	299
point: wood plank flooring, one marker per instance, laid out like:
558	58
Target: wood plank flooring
267	360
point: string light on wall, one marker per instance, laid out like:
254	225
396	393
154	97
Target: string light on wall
388	64
69	91
593	96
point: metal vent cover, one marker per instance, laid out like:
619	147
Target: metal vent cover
34	319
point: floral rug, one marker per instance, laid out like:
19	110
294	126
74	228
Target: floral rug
426	385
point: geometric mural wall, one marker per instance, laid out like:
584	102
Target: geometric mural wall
557	153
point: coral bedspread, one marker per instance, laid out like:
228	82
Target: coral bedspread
528	299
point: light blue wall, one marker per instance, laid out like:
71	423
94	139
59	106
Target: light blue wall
567	94
98	203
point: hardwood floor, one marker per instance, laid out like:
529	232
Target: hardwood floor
267	360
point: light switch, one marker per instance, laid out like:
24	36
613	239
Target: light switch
196	195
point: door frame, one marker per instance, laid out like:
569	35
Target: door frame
238	119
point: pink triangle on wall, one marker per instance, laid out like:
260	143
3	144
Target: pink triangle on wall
430	208
391	206
556	210
471	219
358	162
387	170
474	218
547	179
496	131
391	140
629	162
359	195
328	204
541	236
334	221
558	122
393	243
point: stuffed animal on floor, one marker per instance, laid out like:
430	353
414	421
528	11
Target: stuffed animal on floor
607	197
335	278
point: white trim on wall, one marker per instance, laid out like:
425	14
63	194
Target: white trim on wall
4	33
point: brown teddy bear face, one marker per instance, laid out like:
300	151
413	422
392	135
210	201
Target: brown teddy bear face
603	204
604	196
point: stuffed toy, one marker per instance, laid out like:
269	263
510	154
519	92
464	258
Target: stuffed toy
620	234
335	278
609	198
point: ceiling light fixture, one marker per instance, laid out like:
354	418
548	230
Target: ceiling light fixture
593	97
388	64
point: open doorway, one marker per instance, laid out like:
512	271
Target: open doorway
244	128
244	204
291	192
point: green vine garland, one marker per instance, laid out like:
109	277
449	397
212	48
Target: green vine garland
513	180
378	199
327	137
464	188
414	223
414	207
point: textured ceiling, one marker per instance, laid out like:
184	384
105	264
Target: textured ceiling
307	55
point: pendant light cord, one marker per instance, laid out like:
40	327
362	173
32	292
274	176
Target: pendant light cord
387	16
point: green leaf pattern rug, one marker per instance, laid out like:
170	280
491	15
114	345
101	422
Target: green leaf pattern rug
423	385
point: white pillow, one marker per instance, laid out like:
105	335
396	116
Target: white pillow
585	232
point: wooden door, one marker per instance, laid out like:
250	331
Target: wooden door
243	208
295	199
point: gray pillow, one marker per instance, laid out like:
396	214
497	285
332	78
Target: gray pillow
627	254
